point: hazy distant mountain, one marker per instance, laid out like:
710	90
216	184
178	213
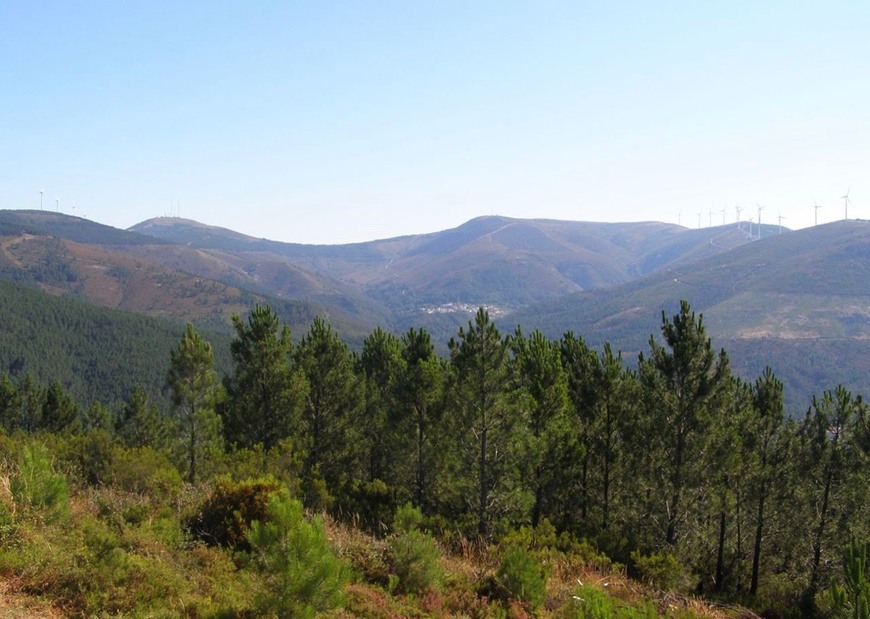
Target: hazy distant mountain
487	261
799	302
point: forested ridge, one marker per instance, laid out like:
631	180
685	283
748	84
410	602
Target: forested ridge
481	483
95	354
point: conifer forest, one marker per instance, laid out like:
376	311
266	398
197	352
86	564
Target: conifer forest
513	476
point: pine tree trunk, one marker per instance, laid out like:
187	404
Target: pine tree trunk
756	550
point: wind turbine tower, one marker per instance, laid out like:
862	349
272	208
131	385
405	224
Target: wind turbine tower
846	201
710	224
738	209
780	217
760	208
57	205
723	216
41	191
816	207
699	220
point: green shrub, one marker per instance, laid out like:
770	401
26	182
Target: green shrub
414	558
407	518
373	503
145	471
88	455
227	514
659	569
592	603
523	577
304	575
5	520
35	484
853	598
283	462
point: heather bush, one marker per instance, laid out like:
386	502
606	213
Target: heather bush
226	516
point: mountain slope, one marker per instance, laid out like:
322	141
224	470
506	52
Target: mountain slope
488	260
75	258
799	302
97	354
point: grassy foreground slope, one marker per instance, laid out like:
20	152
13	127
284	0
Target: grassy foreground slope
125	548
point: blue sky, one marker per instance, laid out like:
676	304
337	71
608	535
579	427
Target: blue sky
331	122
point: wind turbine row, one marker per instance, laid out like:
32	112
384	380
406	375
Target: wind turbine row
56	202
816	206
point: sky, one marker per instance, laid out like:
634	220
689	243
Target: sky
336	122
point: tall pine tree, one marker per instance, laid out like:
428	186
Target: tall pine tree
684	382
485	417
266	392
193	383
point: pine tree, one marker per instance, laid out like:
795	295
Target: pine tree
332	407
834	464
484	415
30	400
304	577
683	382
420	394
769	437
194	383
266	392
59	411
581	367
9	404
539	376
140	424
618	395
382	366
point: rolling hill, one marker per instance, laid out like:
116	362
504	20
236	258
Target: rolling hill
76	258
494	261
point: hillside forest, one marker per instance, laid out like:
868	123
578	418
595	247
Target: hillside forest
310	479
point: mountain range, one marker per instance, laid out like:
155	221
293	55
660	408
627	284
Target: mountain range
796	300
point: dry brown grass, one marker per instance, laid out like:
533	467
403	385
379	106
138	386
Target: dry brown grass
469	564
15	605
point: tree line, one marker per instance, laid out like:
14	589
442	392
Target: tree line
676	467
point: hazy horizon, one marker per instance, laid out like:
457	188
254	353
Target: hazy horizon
317	123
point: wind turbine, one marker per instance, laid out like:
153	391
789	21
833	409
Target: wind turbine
723	216
738	209
780	217
679	217
817	206
41	191
57	204
699	220
710	225
760	208
846	201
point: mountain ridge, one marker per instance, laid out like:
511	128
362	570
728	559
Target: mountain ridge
788	292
